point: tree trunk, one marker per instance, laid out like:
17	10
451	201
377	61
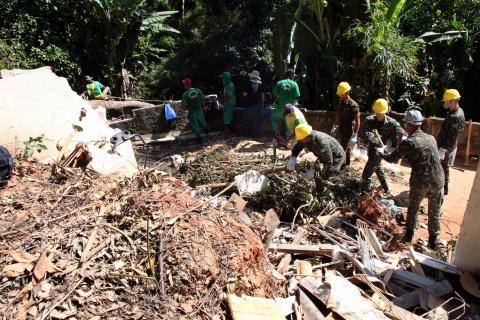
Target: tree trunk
115	105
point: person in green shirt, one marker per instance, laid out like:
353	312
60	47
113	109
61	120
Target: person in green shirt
193	99
229	99
96	90
286	91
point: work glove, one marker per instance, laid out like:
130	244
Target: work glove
380	151
353	140
442	153
372	138
333	132
292	163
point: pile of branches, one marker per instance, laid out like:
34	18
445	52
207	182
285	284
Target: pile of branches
140	247
287	190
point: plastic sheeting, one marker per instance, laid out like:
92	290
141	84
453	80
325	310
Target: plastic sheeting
38	102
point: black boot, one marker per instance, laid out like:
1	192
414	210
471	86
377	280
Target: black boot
408	237
432	242
445	189
198	138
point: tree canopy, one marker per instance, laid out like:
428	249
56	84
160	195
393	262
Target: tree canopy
408	51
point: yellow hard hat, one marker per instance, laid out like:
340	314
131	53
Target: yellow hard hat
451	94
342	88
302	131
380	106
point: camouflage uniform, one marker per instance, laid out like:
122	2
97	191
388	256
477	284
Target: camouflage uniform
327	150
426	180
391	133
347	112
447	138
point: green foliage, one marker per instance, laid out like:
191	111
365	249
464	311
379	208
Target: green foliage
390	54
34	144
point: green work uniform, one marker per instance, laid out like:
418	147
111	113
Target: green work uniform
95	89
286	91
327	150
389	130
193	99
447	139
294	119
426	179
229	91
347	112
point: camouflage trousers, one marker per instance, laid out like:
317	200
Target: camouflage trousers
435	201
343	140
374	166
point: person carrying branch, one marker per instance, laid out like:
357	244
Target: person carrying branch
389	133
447	138
347	123
193	99
426	178
326	148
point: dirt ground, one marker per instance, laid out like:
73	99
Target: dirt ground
454	205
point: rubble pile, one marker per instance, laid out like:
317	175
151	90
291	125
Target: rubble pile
140	247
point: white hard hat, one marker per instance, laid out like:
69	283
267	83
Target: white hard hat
413	117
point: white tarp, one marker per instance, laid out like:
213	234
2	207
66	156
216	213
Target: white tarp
37	102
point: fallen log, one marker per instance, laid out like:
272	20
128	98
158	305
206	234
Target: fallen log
116	105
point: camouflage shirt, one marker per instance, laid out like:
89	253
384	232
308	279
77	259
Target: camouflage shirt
388	129
347	112
324	147
453	124
420	149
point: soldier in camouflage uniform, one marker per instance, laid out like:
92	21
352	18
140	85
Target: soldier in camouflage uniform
347	123
327	150
447	138
426	178
390	132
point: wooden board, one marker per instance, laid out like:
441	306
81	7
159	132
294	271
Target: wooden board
253	308
306	249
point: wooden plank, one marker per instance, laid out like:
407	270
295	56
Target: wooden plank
392	268
435	263
285	262
270	223
310	310
408	300
253	308
437	288
306	249
65	147
417	268
304	268
467	149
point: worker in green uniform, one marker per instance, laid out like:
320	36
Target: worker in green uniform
229	100
426	178
96	90
193	99
452	126
286	91
293	118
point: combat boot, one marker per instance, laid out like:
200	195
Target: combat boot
445	189
432	242
408	237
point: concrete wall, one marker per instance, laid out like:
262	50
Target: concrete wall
467	252
324	120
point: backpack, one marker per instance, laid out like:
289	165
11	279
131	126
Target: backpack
6	165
